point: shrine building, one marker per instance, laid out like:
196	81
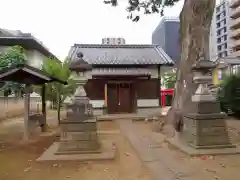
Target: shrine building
125	77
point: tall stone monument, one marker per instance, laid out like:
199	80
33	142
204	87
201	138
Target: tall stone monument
204	125
79	128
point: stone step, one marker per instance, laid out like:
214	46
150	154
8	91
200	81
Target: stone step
65	147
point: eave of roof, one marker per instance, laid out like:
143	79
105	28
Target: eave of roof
28	42
33	75
109	54
229	60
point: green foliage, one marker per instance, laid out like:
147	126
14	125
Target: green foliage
169	79
60	71
229	94
149	6
13	56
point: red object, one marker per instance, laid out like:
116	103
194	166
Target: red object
163	95
203	158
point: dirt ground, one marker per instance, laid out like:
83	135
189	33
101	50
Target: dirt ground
220	167
18	160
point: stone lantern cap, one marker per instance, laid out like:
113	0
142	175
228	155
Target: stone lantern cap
79	65
203	64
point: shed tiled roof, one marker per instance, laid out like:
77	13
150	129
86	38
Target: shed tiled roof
125	54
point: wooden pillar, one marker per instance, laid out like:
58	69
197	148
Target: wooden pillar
44	112
26	115
159	84
134	95
105	94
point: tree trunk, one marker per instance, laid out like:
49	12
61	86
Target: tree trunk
195	22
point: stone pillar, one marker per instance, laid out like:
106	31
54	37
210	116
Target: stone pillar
205	125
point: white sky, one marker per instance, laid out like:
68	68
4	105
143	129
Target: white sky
61	23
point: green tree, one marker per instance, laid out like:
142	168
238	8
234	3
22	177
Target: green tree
13	56
195	22
169	79
56	92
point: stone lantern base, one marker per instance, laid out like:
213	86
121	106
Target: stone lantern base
206	131
78	137
206	127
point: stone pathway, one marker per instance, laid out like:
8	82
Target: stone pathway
162	162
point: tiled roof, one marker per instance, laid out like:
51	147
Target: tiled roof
125	54
26	40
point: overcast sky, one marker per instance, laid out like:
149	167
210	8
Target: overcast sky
61	23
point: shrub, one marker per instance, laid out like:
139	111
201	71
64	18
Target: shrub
229	94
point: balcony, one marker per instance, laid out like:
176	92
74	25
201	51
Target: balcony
235	3
235	44
235	23
236	53
235	13
235	34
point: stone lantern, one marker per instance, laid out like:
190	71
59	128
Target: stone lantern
83	71
79	128
204	125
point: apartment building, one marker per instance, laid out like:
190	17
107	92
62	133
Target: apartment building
219	45
235	27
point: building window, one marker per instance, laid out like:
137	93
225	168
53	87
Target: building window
218	25
218	9
218	40
225	37
219	47
219	32
225	53
220	55
224	13
218	17
222	38
224	21
225	45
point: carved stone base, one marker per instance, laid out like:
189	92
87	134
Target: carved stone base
206	131
78	137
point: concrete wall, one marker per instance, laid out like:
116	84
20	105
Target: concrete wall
140	103
12	107
35	58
